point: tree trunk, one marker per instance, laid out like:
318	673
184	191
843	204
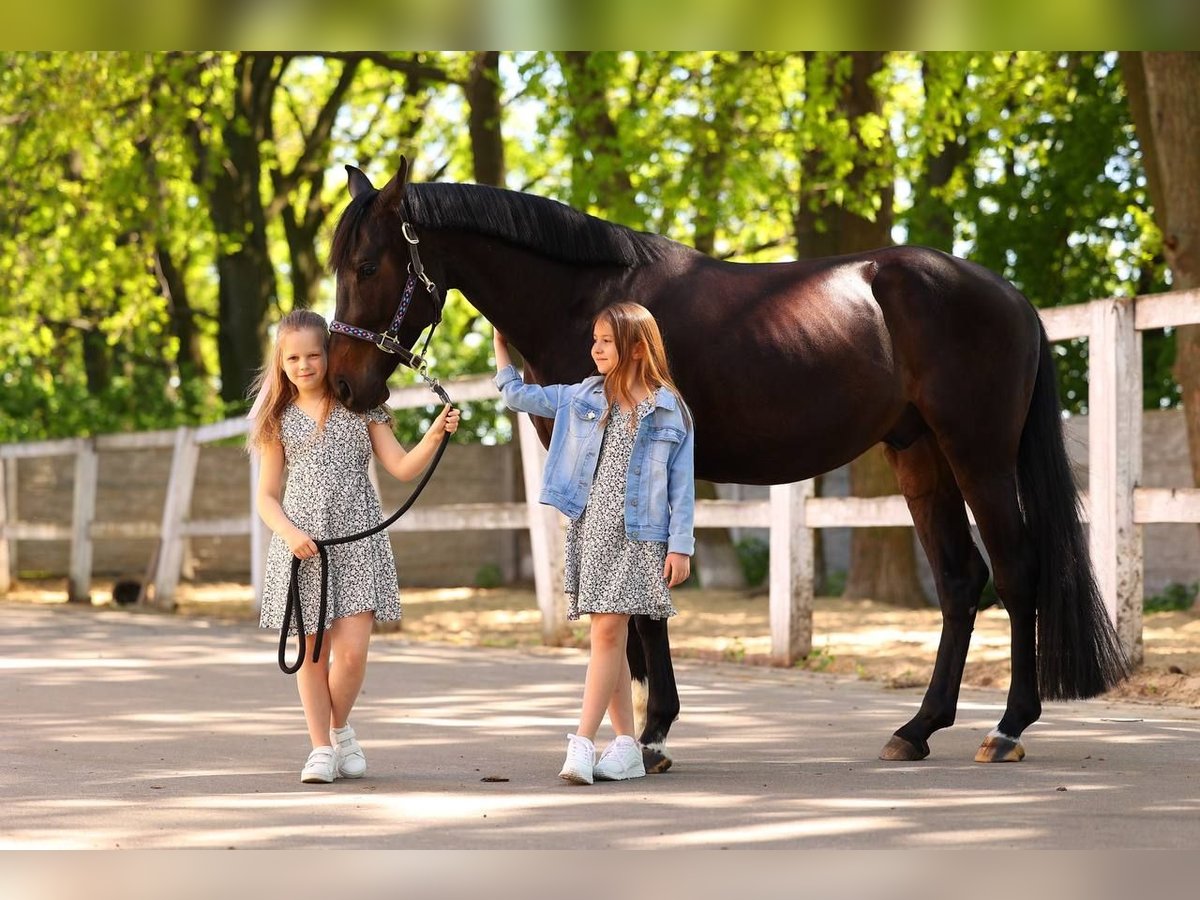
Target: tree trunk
1164	97
305	270
711	140
189	361
931	220
598	175
483	119
247	287
883	563
303	212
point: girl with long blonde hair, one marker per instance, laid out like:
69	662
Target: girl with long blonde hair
621	468
299	425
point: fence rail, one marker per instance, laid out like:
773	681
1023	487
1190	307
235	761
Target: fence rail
1114	505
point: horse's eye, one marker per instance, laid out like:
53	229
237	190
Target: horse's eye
366	270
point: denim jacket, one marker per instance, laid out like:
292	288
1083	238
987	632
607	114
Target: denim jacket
660	491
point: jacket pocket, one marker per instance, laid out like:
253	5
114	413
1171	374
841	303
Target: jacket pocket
663	442
582	418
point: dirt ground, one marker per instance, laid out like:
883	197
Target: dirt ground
850	637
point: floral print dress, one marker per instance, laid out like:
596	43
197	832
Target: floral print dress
605	571
329	495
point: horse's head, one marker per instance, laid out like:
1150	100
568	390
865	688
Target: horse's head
371	260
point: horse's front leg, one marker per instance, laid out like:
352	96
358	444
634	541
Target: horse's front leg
655	696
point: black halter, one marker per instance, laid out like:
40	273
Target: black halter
388	342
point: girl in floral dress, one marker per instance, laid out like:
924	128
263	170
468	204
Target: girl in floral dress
298	423
620	467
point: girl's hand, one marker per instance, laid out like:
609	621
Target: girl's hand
677	569
446	421
300	544
500	345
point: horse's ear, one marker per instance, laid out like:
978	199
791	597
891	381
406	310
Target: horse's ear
392	193
357	181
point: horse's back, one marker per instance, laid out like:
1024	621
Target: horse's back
822	358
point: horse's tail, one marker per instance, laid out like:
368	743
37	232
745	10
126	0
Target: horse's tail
1078	651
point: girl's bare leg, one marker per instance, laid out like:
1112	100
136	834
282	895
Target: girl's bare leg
313	683
620	708
349	639
606	669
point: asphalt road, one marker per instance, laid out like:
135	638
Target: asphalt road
146	731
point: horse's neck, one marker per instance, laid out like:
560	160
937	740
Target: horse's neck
532	300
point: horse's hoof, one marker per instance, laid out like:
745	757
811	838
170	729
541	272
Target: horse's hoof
900	750
1000	748
655	760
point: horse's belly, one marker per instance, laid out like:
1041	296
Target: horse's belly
780	461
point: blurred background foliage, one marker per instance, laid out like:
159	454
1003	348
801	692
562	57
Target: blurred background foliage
160	211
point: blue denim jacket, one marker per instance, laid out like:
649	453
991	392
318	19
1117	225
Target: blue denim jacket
660	490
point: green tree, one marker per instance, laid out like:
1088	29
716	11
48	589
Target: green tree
86	250
1028	161
1164	95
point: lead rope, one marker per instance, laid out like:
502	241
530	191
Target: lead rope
293	608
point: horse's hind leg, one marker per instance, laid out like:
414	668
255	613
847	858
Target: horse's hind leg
993	498
655	695
959	572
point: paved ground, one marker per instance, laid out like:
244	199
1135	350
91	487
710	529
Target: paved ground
143	731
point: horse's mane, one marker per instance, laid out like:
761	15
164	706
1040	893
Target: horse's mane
536	223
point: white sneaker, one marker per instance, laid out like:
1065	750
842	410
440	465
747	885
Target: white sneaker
351	761
620	760
581	756
321	766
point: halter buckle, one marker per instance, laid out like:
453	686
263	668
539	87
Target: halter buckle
410	235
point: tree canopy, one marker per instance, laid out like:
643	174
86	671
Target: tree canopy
160	211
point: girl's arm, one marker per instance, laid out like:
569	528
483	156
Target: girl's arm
405	465
531	398
270	510
681	494
500	345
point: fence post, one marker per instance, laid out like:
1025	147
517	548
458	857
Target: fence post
260	536
175	510
1115	465
791	573
7	557
545	538
510	563
83	511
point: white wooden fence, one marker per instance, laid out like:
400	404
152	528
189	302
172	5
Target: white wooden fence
1115	506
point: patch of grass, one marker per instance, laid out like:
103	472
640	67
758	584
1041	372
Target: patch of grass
735	652
755	556
818	660
1175	596
835	583
488	576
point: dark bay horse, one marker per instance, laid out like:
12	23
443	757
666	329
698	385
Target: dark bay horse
790	369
